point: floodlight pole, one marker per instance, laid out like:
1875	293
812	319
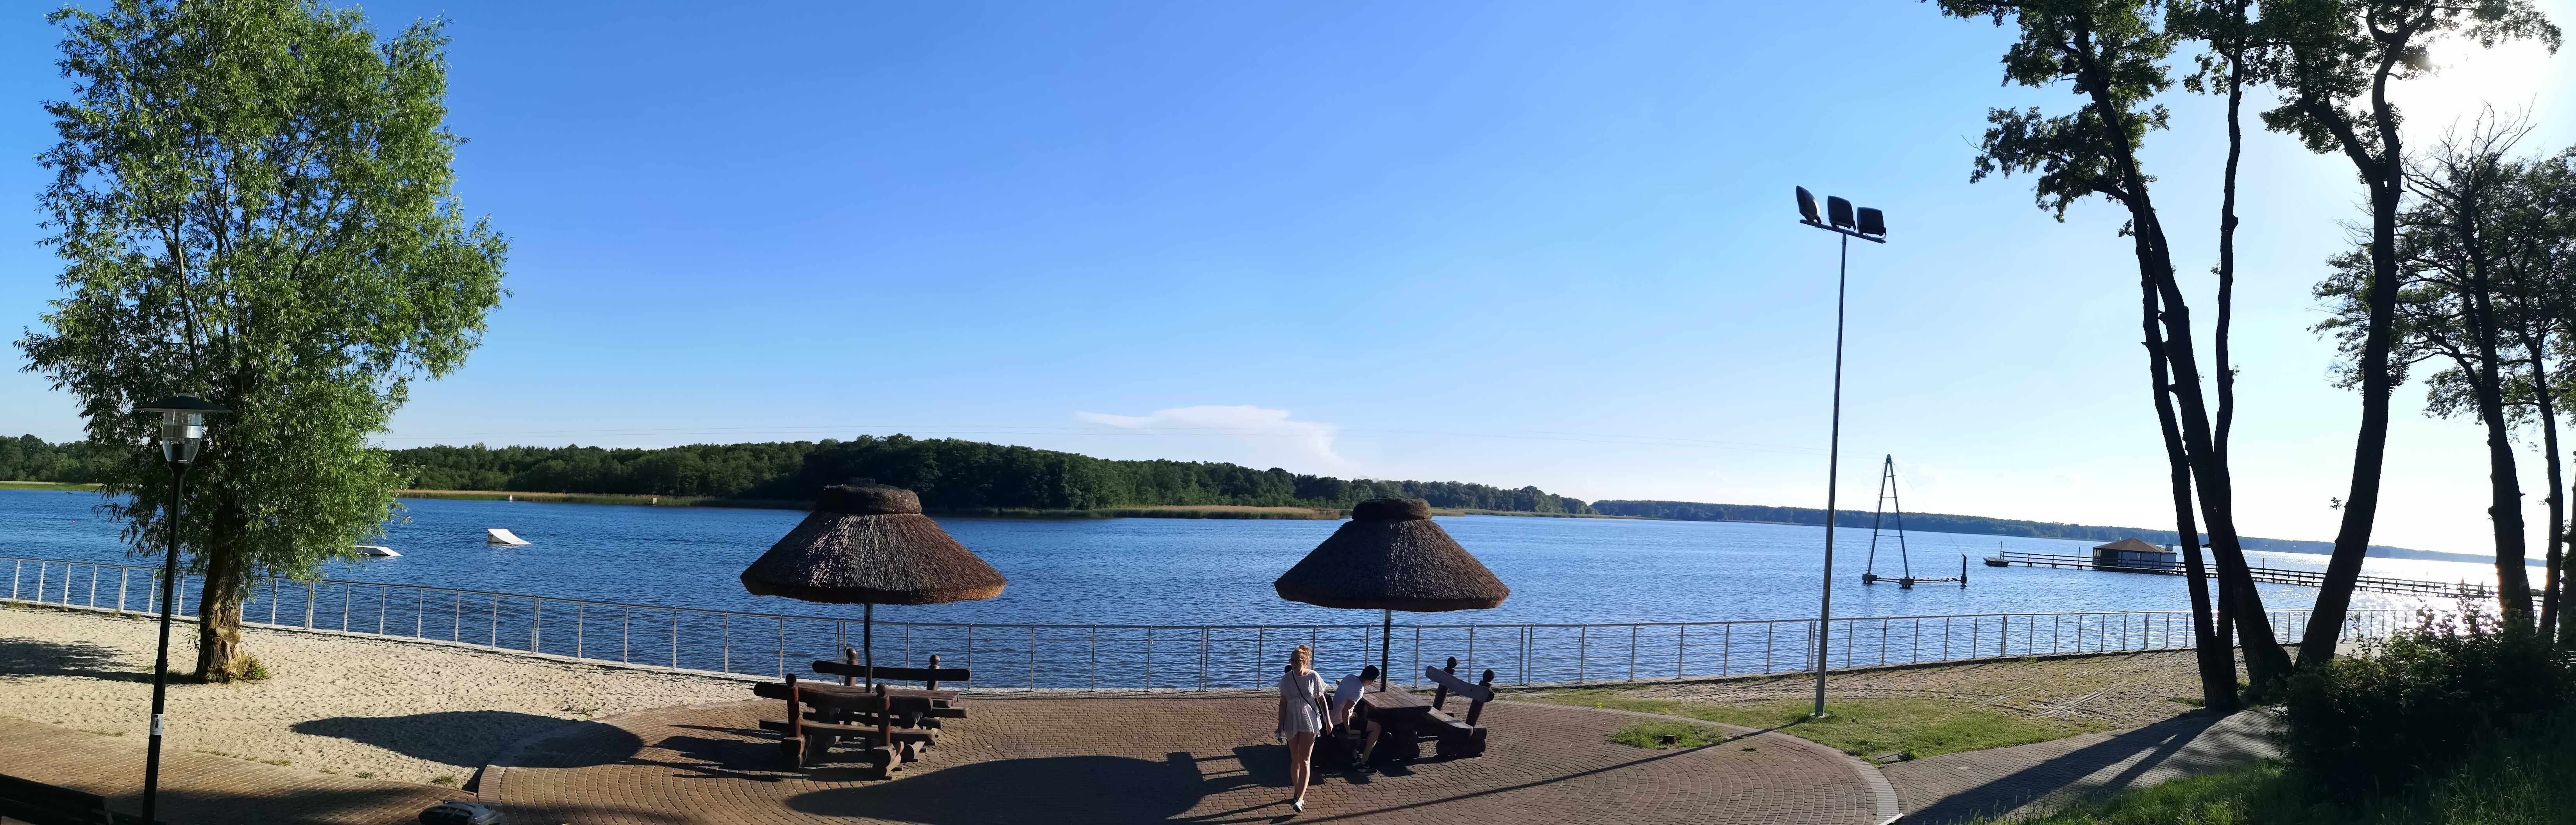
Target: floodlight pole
1833	473
1842	221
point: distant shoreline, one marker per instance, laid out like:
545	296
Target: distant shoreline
1204	511
1211	511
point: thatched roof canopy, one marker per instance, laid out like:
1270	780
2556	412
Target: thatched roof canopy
1392	556
2131	544
871	544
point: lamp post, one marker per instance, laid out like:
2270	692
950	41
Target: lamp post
183	432
1868	225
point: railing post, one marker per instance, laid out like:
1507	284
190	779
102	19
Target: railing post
16	567
782	648
1033	660
1726	650
1582	645
272	596
1414	676
1260	650
344	603
122	572
1681	650
309	598
1203	651
381	593
625	633
1095	659
93	584
725	626
675	640
536	622
1632	652
419	605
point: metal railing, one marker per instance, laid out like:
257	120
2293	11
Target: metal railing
1087	657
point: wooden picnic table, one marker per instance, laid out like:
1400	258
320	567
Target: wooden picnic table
1394	707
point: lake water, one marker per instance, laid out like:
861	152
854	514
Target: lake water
1191	571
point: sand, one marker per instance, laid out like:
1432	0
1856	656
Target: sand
401	710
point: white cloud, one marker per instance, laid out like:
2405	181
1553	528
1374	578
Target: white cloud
1252	436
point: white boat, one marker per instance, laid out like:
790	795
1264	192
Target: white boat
376	550
497	535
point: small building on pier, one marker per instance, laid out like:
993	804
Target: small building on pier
2135	553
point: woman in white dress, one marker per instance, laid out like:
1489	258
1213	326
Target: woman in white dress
1301	719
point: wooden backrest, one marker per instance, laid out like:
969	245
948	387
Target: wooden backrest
1477	693
930	677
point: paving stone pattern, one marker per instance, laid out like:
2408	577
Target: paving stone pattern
1199	759
2043	776
205	789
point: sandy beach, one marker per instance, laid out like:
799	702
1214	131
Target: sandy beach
354	706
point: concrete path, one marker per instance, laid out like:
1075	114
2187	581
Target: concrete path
205	789
2043	776
1181	758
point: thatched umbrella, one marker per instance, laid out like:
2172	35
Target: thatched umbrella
1391	556
870	544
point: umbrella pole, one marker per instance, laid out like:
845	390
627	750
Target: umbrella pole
868	642
1385	648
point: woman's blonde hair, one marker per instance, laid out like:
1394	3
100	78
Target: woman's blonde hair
1301	660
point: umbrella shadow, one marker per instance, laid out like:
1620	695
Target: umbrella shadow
476	737
37	657
1040	789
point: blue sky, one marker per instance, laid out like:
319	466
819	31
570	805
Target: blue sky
1513	243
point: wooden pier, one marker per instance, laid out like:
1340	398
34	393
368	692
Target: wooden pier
2266	575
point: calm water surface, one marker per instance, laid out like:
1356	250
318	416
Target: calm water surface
1192	571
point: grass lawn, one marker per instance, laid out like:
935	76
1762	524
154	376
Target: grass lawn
1861	727
2519	778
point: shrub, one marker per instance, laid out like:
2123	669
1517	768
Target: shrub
2414	703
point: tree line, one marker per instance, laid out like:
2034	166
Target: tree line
947	473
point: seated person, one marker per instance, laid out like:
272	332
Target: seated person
1346	695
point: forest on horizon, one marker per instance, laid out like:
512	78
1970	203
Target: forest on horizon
955	474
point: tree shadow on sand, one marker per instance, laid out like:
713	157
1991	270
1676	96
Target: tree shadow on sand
37	657
474	738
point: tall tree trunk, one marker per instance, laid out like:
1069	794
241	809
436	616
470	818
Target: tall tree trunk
2504	480
2217	660
2265	661
2380	171
219	643
2536	346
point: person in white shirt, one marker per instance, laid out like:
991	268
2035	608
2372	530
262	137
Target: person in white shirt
1346	696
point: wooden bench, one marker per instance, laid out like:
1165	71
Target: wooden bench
893	725
1459	738
36	803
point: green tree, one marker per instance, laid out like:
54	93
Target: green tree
2111	54
2337	61
252	200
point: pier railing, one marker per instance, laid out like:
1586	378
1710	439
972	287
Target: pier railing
1105	658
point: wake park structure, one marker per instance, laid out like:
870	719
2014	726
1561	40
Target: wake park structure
2133	555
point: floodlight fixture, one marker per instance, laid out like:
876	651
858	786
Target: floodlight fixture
1841	212
1807	206
1872	222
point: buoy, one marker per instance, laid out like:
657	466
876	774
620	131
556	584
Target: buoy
497	535
377	550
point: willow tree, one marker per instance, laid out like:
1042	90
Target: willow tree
253	203
2111	54
2338	59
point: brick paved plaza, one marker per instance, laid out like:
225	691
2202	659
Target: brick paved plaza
1178	758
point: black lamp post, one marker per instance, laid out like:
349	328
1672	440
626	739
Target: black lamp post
1868	225
183	432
